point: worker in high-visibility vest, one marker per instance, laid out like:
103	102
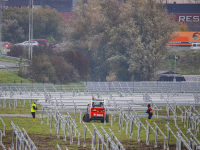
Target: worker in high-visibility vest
33	110
150	112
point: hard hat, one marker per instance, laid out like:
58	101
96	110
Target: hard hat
149	105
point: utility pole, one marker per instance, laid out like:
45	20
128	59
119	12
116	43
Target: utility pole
30	28
29	34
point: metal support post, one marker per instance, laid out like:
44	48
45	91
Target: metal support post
51	122
119	122
42	115
138	136
147	135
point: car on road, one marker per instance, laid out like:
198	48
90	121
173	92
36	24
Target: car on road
41	42
195	46
26	43
51	45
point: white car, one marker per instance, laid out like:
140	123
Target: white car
195	46
26	43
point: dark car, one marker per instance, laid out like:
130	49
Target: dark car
41	42
51	45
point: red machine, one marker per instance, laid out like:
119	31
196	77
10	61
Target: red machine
96	111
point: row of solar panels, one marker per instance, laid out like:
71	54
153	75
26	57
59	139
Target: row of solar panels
148	83
182	87
109	87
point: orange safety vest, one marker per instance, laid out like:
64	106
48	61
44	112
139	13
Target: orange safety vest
151	110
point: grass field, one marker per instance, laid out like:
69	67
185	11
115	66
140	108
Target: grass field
9	60
44	140
11	76
40	133
186	64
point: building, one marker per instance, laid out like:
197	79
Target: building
188	11
64	7
59	5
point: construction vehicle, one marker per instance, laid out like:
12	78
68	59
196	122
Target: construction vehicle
96	111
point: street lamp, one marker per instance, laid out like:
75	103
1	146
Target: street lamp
175	58
30	28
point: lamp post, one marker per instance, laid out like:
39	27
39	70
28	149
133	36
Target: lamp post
30	28
175	58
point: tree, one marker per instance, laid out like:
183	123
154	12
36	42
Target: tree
48	23
146	29
22	18
11	31
18	51
132	33
42	70
79	61
65	72
89	34
183	26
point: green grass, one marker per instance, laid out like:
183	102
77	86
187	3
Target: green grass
187	64
35	128
9	60
11	76
20	108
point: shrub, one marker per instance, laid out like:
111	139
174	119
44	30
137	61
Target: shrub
79	61
65	72
42	70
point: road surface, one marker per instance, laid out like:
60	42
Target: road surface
4	65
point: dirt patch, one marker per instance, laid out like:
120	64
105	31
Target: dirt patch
49	141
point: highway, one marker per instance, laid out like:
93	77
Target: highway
4	65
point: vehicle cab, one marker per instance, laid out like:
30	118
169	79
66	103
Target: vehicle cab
97	109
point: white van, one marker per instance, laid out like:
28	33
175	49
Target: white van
195	46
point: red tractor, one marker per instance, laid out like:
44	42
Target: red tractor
96	111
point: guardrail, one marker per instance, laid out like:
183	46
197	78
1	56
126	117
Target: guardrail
14	58
10	68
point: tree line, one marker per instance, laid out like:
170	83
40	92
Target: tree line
111	40
125	40
47	24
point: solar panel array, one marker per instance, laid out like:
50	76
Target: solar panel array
144	87
128	100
